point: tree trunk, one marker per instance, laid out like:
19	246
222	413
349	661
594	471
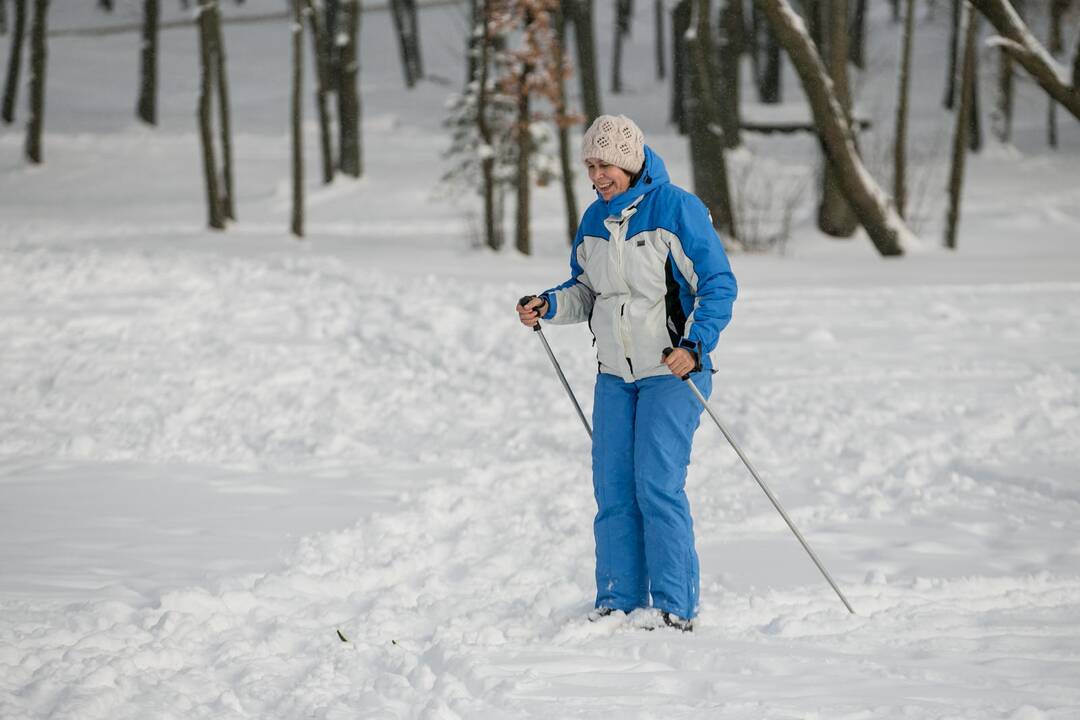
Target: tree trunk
3	17
1076	65
1058	8
565	152
492	235
886	229
623	10
405	23
38	57
476	36
1029	53
956	179
297	114
11	85
229	196
215	213
333	30
767	60
900	144
952	66
320	48
348	92
680	70
522	239
974	115
706	144
661	70
580	13
835	216
857	49
1002	118
146	108
729	48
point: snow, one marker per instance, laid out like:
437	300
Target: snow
219	449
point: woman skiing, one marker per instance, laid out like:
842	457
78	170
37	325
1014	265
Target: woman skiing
648	273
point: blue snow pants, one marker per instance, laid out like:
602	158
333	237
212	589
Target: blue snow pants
642	433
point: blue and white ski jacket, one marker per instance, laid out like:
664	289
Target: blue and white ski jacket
648	272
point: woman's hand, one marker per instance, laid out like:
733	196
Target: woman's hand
529	314
680	361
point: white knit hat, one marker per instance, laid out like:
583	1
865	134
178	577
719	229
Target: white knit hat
616	140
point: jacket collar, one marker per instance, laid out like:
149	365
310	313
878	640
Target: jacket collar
653	175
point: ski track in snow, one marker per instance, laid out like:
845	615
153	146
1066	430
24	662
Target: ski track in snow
925	439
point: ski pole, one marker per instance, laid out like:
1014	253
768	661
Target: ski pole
558	369
764	487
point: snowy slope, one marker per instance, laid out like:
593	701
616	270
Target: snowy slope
216	450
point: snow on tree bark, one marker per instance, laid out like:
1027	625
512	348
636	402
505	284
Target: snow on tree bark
885	227
1017	40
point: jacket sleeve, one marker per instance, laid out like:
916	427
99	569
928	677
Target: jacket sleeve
571	302
700	258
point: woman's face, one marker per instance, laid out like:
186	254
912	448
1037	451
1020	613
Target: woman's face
609	180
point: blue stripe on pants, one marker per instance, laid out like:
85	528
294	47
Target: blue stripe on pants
642	434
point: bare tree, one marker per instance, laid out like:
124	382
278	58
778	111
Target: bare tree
1003	113
624	13
38	57
729	50
321	49
408	30
1017	40
956	179
564	120
900	144
11	85
215	207
835	216
492	215
224	116
885	227
954	44
658	19
348	93
706	143
1076	65
297	114
146	107
680	73
766	59
857	47
580	14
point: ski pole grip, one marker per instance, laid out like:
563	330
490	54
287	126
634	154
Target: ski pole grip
522	301
668	351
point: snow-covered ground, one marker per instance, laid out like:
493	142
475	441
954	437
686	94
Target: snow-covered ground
218	450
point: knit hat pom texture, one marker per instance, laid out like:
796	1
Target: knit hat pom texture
616	140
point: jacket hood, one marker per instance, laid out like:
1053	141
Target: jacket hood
653	175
